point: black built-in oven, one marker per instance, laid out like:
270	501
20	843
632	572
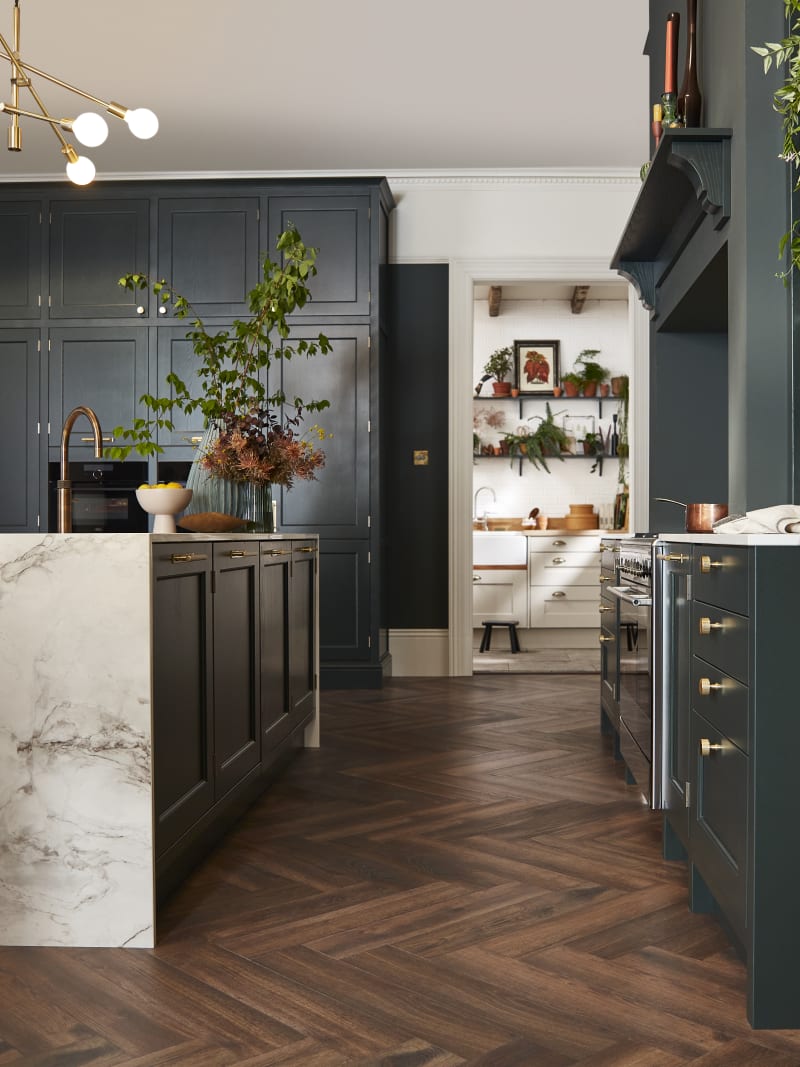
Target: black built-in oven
634	595
103	496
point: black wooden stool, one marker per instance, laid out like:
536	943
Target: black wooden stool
486	642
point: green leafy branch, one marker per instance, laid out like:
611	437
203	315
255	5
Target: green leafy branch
786	101
232	362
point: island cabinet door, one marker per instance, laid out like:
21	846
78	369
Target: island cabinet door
183	776
237	682
276	566
302	632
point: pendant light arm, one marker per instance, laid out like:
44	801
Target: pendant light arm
118	110
26	82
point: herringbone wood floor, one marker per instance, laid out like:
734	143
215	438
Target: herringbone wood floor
460	876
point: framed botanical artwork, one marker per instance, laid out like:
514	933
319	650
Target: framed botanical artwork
536	367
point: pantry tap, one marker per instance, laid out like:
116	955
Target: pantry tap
478	491
64	485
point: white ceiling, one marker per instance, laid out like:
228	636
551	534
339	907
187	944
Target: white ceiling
359	86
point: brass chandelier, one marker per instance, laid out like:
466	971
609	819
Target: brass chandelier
89	128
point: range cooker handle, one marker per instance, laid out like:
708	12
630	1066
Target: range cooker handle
635	599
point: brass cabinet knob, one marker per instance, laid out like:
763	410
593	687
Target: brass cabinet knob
706	625
706	748
603	639
705	685
706	563
605	578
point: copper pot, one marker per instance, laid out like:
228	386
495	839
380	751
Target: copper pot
700	518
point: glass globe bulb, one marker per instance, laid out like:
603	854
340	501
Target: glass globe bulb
90	129
142	123
82	171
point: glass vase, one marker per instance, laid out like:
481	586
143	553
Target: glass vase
255	502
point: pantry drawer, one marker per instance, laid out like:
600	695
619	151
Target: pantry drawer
564	605
722	638
558	542
720	576
555	568
725	707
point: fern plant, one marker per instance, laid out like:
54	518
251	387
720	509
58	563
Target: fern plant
548	440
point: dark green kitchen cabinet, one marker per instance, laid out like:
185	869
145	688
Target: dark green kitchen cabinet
302	633
276	576
208	251
237	667
93	243
183	689
21	262
175	355
20	466
339	226
104	368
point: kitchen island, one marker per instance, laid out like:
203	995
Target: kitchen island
78	716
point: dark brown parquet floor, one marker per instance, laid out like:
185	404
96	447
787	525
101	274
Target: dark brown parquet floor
459	877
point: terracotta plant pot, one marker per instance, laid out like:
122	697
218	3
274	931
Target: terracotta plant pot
590	388
605	389
515	392
556	390
570	389
616	386
501	388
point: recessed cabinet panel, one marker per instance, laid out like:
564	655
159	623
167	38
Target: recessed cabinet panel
338	226
501	595
302	659
208	251
276	563
570	605
21	261
336	502
19	440
176	356
344	600
92	245
104	369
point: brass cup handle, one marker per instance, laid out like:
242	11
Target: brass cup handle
706	625
559	544
603	639
706	748
706	563
672	557
558	594
557	560
705	686
476	578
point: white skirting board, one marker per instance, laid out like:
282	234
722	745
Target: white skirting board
419	653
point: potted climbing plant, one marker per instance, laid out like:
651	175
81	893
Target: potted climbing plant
499	365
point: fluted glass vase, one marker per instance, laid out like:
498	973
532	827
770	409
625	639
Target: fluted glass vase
255	500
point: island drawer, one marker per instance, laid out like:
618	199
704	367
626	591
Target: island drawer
722	638
723	701
720	576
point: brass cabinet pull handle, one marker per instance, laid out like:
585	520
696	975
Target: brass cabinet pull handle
602	609
477	578
195	439
307	550
672	557
602	638
706	563
277	551
185	557
559	544
236	553
705	686
558	560
706	748
605	578
706	626
558	593
90	440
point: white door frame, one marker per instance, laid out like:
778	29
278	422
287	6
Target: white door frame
464	276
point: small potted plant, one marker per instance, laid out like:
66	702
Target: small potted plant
571	383
591	372
499	365
547	440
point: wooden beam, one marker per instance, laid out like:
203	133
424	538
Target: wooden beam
579	298
495	293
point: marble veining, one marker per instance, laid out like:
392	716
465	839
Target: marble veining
76	842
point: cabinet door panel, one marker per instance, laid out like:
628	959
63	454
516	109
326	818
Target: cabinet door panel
339	227
336	503
104	368
182	713
21	262
302	659
208	251
176	356
727	707
727	645
720	576
570	605
276	562
19	440
501	595
718	828
563	569
92	244
237	730
344	614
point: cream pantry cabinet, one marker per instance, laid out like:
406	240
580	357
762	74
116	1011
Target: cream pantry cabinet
499	593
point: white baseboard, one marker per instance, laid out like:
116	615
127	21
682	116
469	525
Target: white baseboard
420	653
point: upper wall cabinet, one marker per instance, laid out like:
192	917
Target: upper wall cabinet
340	227
21	262
92	244
208	251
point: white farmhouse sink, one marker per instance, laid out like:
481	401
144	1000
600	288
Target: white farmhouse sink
496	548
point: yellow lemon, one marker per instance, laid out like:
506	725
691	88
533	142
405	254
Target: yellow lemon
174	485
144	485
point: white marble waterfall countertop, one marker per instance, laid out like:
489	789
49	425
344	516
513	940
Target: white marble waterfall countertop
76	849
